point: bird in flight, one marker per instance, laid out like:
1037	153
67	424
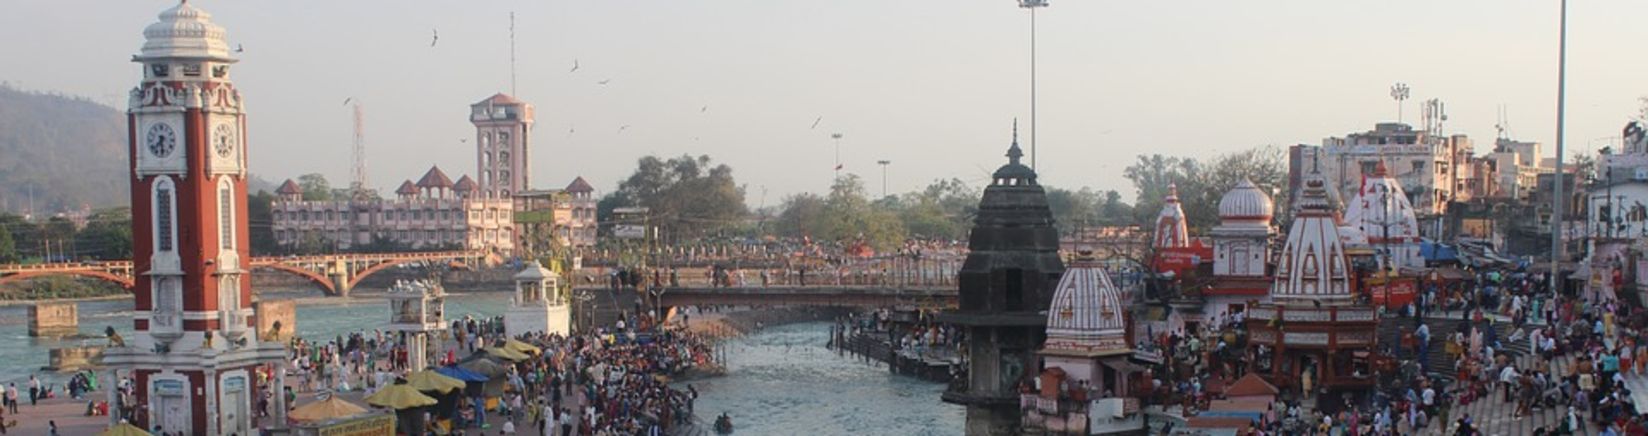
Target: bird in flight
347	100
603	82
240	48
816	121
622	128
435	37
704	109
574	66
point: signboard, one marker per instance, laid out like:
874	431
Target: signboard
168	387
378	425
629	231
234	384
1183	259
1396	293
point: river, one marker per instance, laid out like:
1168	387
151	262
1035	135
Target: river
782	380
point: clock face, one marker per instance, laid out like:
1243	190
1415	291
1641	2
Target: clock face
161	140
223	140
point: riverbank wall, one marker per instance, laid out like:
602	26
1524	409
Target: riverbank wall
737	322
877	347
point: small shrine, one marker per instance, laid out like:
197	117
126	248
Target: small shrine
1088	367
1315	334
540	305
416	309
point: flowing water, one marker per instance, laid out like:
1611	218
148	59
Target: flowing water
782	380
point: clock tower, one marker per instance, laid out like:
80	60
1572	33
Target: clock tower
194	357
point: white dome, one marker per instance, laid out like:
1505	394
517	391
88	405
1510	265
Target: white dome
185	32
1246	202
1087	313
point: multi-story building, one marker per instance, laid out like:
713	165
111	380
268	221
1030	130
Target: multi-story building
503	129
1432	167
433	213
568	213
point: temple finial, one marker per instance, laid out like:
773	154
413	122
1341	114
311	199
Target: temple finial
1013	152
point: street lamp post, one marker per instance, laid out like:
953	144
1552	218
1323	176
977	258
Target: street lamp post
1557	206
1399	92
884	164
1032	5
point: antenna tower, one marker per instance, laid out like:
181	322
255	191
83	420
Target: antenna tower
512	54
357	172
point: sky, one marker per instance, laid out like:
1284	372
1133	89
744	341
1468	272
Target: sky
931	85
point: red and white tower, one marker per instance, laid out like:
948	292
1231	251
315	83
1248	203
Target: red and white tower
503	130
194	355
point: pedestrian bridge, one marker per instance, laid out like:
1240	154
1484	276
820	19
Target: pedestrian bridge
334	274
926	296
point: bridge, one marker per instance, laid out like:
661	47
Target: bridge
870	283
335	274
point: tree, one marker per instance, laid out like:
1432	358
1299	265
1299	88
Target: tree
686	196
1151	176
1073	209
849	217
260	219
801	215
315	187
1203	183
943	210
8	247
107	236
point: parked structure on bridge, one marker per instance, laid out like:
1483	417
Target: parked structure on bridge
194	357
433	213
1006	283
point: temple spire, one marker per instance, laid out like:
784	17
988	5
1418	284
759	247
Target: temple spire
1013	152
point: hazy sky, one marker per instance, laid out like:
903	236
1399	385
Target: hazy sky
932	85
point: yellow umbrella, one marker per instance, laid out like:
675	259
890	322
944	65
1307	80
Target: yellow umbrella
399	396
522	347
124	429
429	380
508	354
330	408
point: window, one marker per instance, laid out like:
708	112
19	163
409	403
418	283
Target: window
1015	289
503	142
160	70
191	70
1418	166
226	215
163	215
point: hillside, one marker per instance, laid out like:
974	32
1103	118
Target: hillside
69	151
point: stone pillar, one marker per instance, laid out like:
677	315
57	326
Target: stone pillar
111	387
417	352
54	319
280	394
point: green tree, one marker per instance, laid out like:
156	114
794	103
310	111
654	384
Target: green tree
849	216
107	236
686	196
25	236
261	221
801	215
8	247
315	187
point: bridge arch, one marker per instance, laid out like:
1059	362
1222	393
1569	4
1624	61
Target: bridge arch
124	282
358	276
321	280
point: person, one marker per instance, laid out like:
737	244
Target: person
34	390
11	397
51	428
508	427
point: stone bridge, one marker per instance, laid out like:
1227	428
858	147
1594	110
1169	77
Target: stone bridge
335	274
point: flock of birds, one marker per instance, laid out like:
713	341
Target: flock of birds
435	38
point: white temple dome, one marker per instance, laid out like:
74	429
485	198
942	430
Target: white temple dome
1246	202
1088	311
1382	211
185	31
1313	265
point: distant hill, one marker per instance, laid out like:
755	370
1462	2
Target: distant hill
68	151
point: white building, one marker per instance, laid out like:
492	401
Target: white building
1380	211
1241	241
539	305
1171	230
1433	167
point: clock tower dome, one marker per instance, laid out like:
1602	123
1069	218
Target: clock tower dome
194	355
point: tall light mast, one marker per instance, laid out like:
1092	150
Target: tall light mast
1032	5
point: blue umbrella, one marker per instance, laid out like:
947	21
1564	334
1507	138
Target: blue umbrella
461	374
